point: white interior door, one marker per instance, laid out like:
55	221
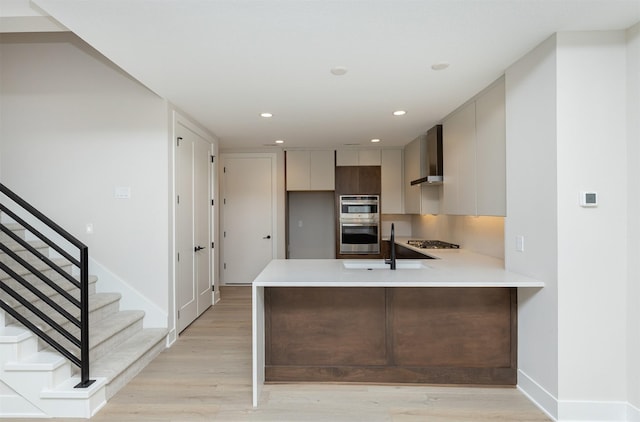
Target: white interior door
186	304
193	226
248	216
202	226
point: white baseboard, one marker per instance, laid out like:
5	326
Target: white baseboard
592	411
538	395
154	316
633	413
576	410
172	337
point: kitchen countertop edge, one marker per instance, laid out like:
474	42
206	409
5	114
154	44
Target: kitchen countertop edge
451	268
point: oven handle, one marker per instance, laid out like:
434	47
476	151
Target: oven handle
373	223
359	202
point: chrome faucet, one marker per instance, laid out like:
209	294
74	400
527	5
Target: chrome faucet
392	259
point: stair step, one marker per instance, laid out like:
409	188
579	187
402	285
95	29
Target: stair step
16	342
32	298
14	227
22	252
119	345
47	367
107	335
40	361
104	335
125	362
38	265
101	305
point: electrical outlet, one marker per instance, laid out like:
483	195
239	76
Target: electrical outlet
89	228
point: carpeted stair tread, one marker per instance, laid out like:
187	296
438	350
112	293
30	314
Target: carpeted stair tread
118	360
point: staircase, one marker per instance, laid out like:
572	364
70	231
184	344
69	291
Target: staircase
36	380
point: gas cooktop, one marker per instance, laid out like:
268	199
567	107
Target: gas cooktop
432	244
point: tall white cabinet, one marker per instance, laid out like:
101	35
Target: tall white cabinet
391	174
491	152
474	156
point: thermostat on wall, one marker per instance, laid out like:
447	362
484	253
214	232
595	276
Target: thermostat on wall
588	199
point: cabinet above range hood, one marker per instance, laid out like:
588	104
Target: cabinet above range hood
431	170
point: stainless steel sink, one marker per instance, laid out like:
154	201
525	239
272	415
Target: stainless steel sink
379	264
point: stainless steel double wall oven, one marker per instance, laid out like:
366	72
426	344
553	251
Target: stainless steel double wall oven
359	224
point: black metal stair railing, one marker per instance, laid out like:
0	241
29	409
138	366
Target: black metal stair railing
81	341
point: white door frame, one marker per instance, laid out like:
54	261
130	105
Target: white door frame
178	118
274	192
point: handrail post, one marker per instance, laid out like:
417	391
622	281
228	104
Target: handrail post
84	319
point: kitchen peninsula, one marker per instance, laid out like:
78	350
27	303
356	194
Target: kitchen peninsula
449	320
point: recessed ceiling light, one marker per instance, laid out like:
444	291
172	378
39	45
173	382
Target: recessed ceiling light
440	66
399	113
266	115
376	140
279	141
338	70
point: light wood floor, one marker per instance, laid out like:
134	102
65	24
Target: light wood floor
206	376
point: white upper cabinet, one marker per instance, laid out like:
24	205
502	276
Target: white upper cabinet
310	170
392	179
423	198
491	152
474	156
358	157
459	162
413	153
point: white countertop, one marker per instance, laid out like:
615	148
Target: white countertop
453	268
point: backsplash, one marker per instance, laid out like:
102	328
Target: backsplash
483	235
402	224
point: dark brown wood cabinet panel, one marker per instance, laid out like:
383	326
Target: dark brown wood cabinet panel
369	182
325	326
447	327
358	180
347	179
391	335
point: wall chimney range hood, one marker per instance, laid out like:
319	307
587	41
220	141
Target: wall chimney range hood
432	163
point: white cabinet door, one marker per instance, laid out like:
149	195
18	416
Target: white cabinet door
358	157
459	162
392	180
322	170
347	157
369	157
298	176
474	157
412	156
310	170
490	152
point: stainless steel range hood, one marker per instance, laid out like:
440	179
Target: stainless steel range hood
432	171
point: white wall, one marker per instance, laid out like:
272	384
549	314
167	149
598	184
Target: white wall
567	109
633	195
74	127
592	280
531	209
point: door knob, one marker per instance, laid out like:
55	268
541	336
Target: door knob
267	237
198	248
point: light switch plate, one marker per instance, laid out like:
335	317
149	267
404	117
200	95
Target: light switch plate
122	192
520	243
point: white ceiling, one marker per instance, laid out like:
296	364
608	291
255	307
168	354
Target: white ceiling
225	61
